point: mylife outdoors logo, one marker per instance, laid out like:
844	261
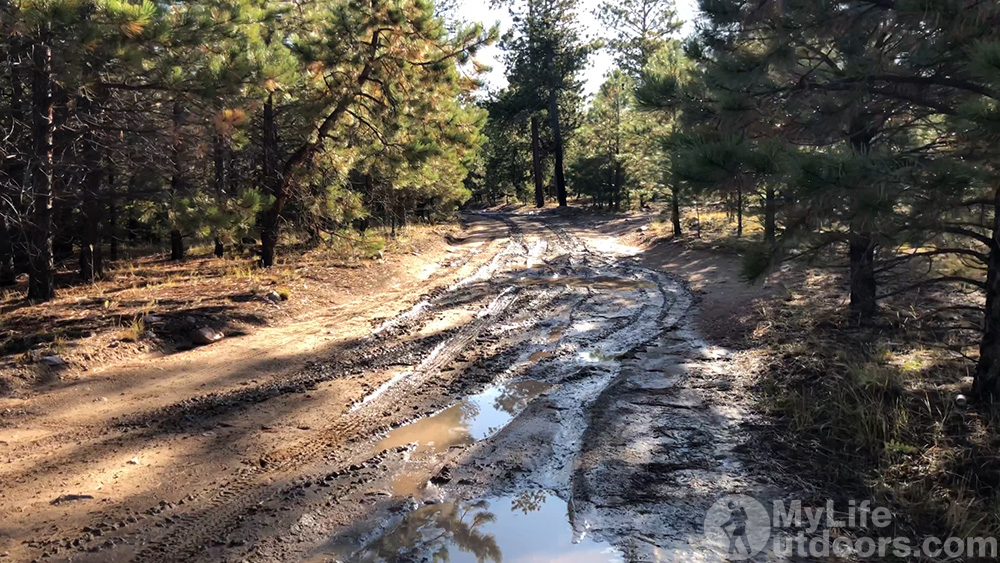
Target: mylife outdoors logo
739	527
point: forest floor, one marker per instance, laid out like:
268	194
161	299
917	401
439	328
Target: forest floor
531	387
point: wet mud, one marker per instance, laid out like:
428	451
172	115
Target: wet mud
555	405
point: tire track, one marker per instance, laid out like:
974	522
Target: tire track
219	510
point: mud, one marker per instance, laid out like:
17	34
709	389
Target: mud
554	404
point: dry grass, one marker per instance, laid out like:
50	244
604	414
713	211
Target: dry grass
873	410
710	227
133	331
870	411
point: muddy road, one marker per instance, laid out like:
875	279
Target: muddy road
550	401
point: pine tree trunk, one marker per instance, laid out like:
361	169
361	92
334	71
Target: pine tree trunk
863	286
739	210
558	148
861	247
618	187
986	382
40	270
675	210
8	275
176	245
12	167
177	183
770	228
274	185
91	267
91	264
219	183
111	226
536	163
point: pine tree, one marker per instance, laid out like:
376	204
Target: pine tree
641	29
544	54
358	57
672	90
893	101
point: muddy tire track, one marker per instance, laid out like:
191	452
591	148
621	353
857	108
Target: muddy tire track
219	512
515	310
215	510
660	303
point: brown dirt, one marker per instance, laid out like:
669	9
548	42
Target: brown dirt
79	444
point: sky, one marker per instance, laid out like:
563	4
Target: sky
600	63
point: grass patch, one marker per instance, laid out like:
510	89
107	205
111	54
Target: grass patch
133	331
873	412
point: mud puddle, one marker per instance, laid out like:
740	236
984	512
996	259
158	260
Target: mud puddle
472	419
530	527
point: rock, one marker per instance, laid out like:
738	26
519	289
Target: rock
133	461
52	361
644	228
150	319
273	296
67	498
444	476
206	335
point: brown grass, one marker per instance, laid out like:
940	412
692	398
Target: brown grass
873	410
869	411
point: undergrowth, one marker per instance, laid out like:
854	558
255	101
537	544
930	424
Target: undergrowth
869	410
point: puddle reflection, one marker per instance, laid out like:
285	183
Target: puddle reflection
474	418
534	526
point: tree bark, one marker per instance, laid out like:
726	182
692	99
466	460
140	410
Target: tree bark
273	184
219	183
91	263
12	168
557	143
986	381
675	210
176	245
861	244
111	226
739	209
41	284
536	163
863	285
770	228
91	266
177	183
8	275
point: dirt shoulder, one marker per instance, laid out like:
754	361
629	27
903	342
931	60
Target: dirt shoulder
727	304
113	434
150	307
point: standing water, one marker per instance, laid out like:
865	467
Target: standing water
531	527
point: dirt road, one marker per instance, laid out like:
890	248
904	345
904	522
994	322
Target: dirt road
546	397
